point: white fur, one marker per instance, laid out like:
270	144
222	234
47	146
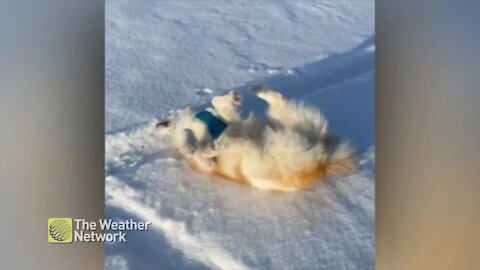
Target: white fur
289	149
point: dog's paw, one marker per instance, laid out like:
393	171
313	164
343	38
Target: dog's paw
270	96
259	88
210	153
235	97
230	100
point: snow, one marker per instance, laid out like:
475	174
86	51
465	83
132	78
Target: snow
163	55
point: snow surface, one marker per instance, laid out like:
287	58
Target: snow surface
163	55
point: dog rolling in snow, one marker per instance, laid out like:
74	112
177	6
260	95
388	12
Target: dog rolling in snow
289	149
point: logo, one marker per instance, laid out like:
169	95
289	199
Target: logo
60	230
71	230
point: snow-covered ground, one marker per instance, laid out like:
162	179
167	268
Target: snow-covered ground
162	55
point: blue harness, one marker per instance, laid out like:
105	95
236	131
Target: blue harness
215	125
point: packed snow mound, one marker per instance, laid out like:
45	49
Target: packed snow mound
167	54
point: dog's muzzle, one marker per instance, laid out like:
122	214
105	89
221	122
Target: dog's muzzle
162	124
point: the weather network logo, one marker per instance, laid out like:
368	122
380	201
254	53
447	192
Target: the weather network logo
60	230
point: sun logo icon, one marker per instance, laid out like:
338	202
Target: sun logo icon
60	230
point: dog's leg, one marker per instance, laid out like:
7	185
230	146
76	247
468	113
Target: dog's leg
274	99
227	106
291	114
200	159
277	111
188	142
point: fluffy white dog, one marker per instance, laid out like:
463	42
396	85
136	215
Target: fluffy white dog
290	149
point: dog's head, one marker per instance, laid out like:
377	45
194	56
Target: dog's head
178	120
180	127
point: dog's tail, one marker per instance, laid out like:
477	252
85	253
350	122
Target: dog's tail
343	159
